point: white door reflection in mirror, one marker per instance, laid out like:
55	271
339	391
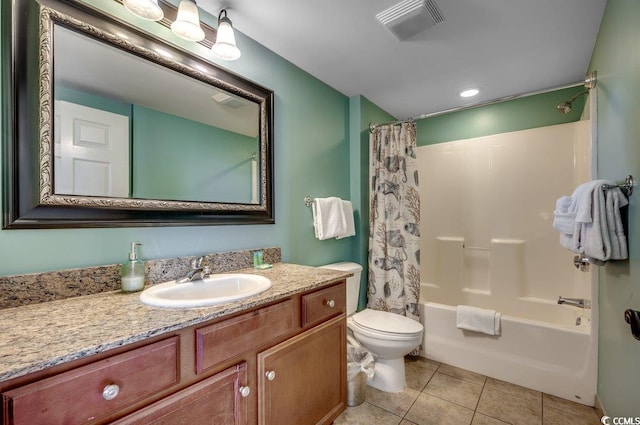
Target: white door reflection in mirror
91	151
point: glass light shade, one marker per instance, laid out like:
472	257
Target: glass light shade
225	47
145	9
187	23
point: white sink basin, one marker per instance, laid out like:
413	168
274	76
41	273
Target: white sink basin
215	289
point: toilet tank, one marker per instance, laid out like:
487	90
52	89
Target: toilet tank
353	282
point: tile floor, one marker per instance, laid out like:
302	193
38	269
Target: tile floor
440	394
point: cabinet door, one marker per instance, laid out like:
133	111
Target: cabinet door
219	399
303	380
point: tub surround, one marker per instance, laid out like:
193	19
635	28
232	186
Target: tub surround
38	336
25	289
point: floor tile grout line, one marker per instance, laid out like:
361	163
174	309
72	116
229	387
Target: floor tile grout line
419	392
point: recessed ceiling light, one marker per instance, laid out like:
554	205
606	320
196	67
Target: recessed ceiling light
469	92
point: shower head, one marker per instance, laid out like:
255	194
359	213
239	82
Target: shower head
565	107
589	82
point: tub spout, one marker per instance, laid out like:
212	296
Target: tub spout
576	302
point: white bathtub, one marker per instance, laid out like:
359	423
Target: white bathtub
557	360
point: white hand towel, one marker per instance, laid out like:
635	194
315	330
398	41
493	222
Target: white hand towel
478	319
328	218
350	228
564	216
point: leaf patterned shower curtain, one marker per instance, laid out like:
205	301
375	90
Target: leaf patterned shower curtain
394	236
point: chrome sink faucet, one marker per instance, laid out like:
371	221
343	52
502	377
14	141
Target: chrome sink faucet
576	302
197	272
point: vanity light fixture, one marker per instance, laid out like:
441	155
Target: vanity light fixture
225	47
145	9
470	92
187	23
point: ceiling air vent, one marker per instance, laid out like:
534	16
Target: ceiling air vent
410	17
228	101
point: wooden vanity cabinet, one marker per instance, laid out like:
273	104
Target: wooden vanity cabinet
217	372
303	380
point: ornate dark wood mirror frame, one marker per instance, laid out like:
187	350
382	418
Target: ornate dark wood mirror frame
27	115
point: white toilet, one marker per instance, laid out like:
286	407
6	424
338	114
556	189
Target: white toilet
388	336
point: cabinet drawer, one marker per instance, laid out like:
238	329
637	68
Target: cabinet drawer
224	340
323	304
217	399
82	395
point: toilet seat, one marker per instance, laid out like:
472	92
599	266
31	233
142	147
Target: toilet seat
382	323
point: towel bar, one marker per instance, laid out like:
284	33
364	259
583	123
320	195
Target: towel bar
627	186
308	201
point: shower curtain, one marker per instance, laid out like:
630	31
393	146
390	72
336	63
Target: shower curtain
394	236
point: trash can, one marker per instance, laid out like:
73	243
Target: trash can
360	367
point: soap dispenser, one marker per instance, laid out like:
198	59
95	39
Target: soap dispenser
132	272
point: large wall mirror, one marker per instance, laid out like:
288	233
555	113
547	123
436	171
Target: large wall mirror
109	126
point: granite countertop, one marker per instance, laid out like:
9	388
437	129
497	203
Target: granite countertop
38	336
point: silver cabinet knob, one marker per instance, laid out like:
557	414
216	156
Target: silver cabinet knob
245	391
271	375
331	303
110	392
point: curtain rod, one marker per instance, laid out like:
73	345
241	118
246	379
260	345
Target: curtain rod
372	126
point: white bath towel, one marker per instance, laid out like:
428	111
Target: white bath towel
597	230
350	228
478	319
328	218
616	200
594	235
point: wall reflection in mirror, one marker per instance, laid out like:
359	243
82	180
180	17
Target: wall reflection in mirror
130	128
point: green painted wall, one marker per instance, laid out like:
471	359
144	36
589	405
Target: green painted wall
180	159
616	58
511	115
362	112
311	153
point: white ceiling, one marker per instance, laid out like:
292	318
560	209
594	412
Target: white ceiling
505	47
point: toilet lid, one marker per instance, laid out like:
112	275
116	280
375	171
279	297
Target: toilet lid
386	322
